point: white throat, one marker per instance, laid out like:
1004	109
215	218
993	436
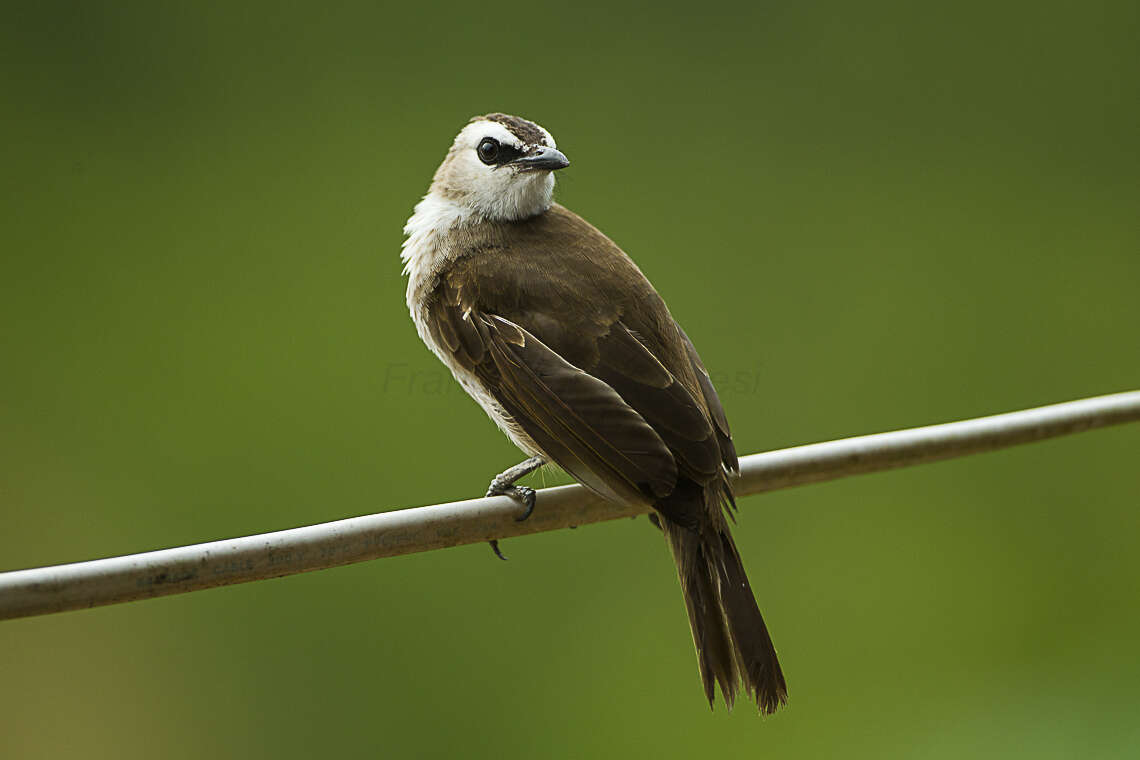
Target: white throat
427	230
507	196
441	213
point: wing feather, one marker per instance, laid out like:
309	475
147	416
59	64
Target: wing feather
581	411
628	366
723	434
576	418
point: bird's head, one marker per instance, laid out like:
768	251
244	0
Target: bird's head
500	168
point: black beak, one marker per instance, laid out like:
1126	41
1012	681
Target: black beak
542	159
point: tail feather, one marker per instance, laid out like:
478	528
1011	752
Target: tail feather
731	639
755	653
711	636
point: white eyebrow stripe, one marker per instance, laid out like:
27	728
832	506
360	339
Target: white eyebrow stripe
498	131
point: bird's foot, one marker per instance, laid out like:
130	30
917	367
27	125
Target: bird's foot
520	493
503	484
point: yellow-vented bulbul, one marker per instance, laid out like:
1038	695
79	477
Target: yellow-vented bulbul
563	341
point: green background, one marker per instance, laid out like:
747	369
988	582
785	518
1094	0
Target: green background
867	215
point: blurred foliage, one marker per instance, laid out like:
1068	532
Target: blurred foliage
867	216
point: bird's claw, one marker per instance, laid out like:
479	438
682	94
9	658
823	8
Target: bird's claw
525	494
522	493
528	497
503	484
494	542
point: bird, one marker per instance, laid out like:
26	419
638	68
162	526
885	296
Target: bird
568	348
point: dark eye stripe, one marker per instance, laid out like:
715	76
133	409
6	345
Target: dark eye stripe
507	153
494	153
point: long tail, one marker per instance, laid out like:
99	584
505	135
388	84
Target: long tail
732	641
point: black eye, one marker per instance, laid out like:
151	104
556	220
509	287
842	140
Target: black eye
488	150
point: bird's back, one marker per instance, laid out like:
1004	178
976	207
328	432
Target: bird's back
562	280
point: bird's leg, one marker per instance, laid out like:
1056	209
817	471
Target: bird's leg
503	484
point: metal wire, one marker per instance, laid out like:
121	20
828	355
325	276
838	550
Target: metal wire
44	590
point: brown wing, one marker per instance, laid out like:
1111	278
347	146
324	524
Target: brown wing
577	419
723	434
572	341
628	366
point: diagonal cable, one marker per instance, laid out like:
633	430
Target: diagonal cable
43	590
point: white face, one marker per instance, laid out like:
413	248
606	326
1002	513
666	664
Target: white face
495	191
